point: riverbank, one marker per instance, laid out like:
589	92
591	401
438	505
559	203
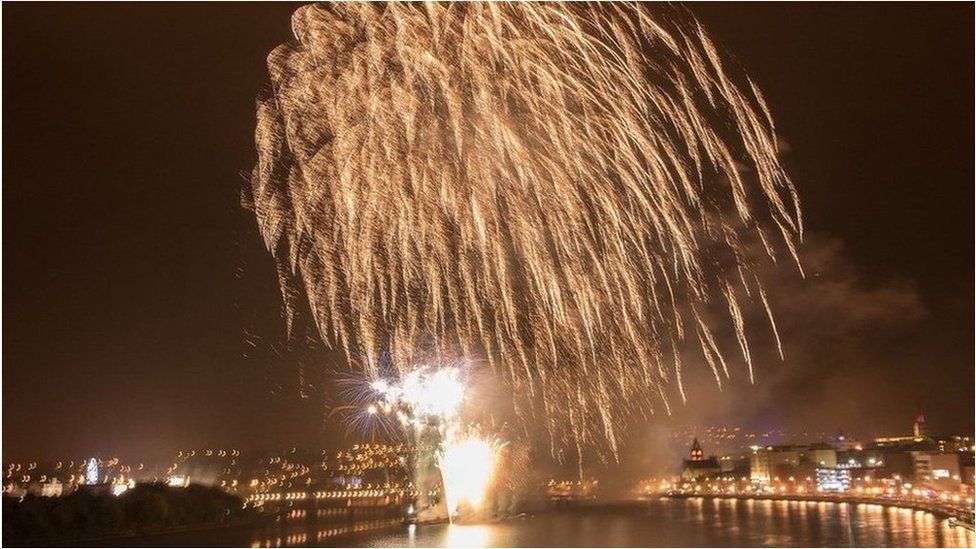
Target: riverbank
962	517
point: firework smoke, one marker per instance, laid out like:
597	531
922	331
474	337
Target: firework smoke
565	190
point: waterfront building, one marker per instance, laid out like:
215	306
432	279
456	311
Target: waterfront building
939	470
966	468
697	466
944	466
833	479
896	463
948	444
759	464
572	490
822	455
734	465
770	462
921	465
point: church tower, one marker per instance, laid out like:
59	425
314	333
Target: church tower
918	428
696	451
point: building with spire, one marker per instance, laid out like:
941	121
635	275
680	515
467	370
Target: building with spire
918	440
918	428
697	466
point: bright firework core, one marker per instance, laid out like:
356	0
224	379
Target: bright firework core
466	467
426	393
429	400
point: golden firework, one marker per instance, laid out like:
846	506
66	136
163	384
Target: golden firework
563	189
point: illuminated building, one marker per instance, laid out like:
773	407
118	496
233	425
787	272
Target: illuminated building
821	455
178	481
50	489
833	479
921	465
696	466
918	440
966	468
896	463
91	471
735	464
940	469
893	442
918	428
569	490
948	444
935	459
769	462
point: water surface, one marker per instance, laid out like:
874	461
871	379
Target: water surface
661	523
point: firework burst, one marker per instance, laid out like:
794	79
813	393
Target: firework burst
566	190
427	403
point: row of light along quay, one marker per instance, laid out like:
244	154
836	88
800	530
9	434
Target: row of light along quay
958	508
916	471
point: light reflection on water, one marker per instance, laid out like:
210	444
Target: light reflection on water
473	535
664	523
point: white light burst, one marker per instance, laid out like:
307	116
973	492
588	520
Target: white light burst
429	399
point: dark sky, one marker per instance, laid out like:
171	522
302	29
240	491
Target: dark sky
132	274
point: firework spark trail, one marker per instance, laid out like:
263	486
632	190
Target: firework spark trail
562	189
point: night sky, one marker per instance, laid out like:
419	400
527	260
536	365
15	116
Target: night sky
141	310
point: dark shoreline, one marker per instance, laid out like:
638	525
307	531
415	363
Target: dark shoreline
115	538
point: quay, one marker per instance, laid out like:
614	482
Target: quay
958	515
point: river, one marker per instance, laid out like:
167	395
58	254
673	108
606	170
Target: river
660	523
